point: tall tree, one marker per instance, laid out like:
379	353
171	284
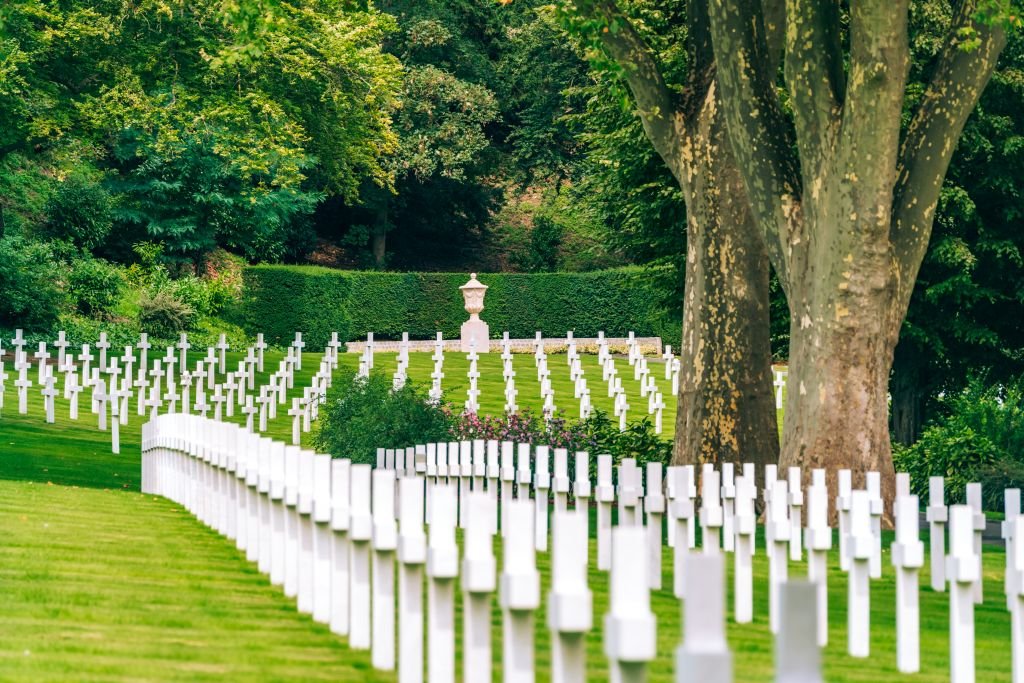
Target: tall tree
726	407
964	314
845	205
446	106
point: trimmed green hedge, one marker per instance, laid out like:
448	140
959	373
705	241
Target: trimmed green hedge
278	300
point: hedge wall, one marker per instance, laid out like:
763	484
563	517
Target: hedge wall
278	300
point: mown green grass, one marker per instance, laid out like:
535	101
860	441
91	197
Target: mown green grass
113	585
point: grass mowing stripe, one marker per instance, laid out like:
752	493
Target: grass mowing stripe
151	595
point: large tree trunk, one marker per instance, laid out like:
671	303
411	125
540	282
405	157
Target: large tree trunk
843	332
726	410
907	395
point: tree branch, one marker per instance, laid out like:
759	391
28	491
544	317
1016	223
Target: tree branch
954	90
701	71
758	130
655	102
867	146
774	17
814	75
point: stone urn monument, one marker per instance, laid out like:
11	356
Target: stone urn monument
474	328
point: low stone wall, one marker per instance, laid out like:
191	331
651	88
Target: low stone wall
648	345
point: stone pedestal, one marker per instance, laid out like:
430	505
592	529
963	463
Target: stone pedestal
475	329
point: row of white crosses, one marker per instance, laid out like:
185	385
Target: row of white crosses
437	376
728	519
401	375
168	383
581	391
508	373
366	358
331	534
473	374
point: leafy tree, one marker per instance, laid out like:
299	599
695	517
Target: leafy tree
447	105
963	314
31	282
200	108
80	211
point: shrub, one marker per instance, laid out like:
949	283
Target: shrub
545	242
31	296
596	435
639	441
280	300
980	433
80	211
85	330
95	286
524	427
1004	473
364	414
164	316
195	293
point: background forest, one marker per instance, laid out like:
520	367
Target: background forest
150	148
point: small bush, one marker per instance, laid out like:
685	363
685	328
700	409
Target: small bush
80	211
364	414
597	435
95	286
979	435
31	295
81	329
163	315
1004	473
524	427
193	292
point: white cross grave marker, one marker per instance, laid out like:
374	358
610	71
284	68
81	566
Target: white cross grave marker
819	542
478	584
360	534
978	525
704	655
604	493
340	523
385	542
654	502
746	526
570	610
629	627
777	535
907	558
963	568
860	549
442	568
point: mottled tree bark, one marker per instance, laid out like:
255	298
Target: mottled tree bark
726	409
845	208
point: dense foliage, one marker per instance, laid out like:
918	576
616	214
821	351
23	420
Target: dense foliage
146	117
595	435
978	435
363	414
30	284
279	300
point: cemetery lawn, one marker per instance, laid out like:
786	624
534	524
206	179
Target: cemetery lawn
102	583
